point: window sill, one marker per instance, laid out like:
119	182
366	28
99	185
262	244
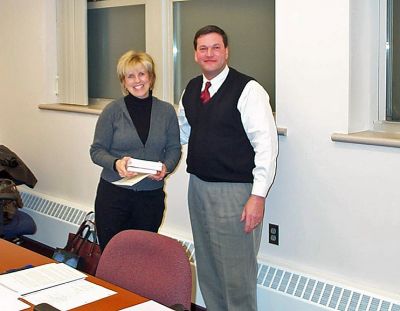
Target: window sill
377	138
97	108
89	109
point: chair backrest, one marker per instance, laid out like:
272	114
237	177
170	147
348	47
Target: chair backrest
149	264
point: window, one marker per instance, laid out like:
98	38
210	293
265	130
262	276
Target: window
111	31
371	117
393	61
250	26
86	66
389	62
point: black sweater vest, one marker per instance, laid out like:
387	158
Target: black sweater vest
219	150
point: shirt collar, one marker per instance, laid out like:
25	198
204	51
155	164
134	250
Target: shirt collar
217	81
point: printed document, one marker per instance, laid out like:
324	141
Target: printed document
70	295
41	277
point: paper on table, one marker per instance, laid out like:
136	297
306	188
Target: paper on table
37	278
147	306
9	300
70	295
130	181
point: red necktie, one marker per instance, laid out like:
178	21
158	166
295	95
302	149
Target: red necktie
205	94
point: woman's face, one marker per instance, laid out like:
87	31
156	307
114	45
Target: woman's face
137	81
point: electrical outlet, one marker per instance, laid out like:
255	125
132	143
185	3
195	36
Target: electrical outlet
274	234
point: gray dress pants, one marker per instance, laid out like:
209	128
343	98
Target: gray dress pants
226	256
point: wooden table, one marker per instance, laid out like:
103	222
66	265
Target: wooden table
14	256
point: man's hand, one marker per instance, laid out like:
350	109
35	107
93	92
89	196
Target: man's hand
253	212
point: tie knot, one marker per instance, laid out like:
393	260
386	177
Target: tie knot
205	94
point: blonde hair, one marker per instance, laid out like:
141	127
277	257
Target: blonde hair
132	59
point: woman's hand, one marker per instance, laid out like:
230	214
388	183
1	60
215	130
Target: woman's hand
121	166
160	174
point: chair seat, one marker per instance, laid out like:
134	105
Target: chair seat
21	224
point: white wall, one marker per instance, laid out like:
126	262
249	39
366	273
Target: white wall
336	204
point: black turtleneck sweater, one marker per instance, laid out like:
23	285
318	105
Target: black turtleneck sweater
140	111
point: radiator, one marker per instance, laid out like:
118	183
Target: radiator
54	218
279	289
289	290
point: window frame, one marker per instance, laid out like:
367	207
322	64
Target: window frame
367	103
72	73
382	63
71	79
381	124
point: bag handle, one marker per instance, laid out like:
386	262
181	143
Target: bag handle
88	216
92	224
93	233
87	224
71	245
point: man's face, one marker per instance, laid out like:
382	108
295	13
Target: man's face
211	54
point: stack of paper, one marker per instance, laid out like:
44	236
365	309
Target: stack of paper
70	295
143	166
54	283
31	280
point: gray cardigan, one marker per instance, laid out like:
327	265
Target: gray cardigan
116	136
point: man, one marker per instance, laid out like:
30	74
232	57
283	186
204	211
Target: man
232	150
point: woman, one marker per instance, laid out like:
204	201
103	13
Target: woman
138	126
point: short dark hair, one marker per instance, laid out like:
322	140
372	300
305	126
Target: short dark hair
210	29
